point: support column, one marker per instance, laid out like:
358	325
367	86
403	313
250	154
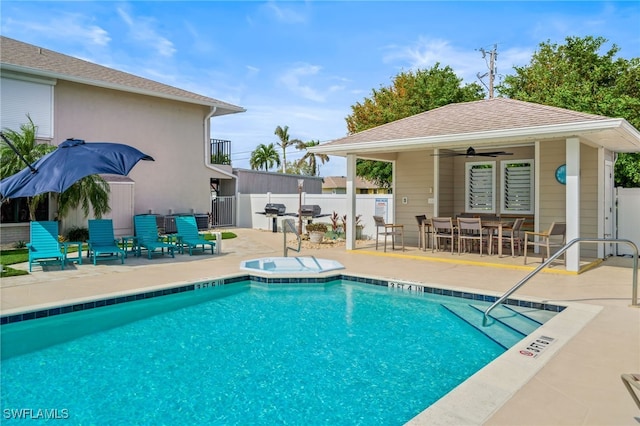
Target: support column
351	202
572	210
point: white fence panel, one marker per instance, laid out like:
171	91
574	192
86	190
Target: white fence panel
628	218
251	205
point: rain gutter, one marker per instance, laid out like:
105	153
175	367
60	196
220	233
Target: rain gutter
207	137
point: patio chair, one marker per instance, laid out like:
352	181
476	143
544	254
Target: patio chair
442	228
103	244
470	229
630	380
43	243
388	229
188	235
512	235
424	231
147	236
554	237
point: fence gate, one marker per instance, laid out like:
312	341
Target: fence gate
628	203
223	211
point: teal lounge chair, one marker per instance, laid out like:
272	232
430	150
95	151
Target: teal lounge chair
102	242
147	236
188	235
44	243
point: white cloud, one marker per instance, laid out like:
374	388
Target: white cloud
142	30
69	26
286	14
292	80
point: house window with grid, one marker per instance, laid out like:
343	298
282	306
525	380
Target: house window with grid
517	186
480	194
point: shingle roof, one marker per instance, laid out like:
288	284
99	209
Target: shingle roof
488	121
470	117
20	56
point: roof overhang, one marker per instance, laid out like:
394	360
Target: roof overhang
221	107
614	134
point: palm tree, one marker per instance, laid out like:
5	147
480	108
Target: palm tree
90	191
312	158
264	156
27	147
283	134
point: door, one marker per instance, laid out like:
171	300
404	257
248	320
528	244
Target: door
608	206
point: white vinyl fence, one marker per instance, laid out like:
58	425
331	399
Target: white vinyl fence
251	205
628	218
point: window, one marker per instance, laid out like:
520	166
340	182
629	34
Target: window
517	186
16	210
480	188
27	96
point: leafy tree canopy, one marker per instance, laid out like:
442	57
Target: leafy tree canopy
308	164
410	93
264	156
577	76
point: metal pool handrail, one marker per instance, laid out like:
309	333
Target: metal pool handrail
290	223
634	286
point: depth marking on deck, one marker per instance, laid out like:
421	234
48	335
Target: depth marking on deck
537	346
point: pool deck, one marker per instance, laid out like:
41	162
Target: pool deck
578	384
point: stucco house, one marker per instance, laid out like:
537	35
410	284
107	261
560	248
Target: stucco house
563	161
69	97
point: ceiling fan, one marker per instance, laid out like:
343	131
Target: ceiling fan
472	153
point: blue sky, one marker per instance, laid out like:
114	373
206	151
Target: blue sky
304	64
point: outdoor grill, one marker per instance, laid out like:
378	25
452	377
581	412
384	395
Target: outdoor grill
310	211
273	209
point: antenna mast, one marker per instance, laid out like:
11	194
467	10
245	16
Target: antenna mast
492	68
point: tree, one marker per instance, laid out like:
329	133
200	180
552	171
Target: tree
311	158
264	156
25	143
378	172
89	192
576	76
285	142
410	93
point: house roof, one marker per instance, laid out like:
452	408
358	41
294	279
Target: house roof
26	58
491	122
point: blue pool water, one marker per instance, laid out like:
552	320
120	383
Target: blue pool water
340	353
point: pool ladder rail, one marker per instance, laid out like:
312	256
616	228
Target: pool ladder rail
291	226
634	284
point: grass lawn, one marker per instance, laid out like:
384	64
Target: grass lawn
11	257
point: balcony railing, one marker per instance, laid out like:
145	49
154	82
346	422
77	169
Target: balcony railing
220	152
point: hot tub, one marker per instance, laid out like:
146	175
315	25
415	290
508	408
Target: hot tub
290	265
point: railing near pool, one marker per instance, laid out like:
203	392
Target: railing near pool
291	226
634	286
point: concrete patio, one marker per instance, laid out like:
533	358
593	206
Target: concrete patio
578	385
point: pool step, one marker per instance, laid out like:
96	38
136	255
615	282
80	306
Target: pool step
512	318
507	328
538	315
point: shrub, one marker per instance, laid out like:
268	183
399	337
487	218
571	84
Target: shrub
78	234
317	227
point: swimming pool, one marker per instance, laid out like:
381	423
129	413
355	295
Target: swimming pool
325	351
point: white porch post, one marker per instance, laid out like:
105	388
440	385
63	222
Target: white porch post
351	202
572	214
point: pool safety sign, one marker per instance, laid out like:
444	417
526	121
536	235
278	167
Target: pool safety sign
537	346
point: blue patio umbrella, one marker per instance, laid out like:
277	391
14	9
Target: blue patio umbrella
70	162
